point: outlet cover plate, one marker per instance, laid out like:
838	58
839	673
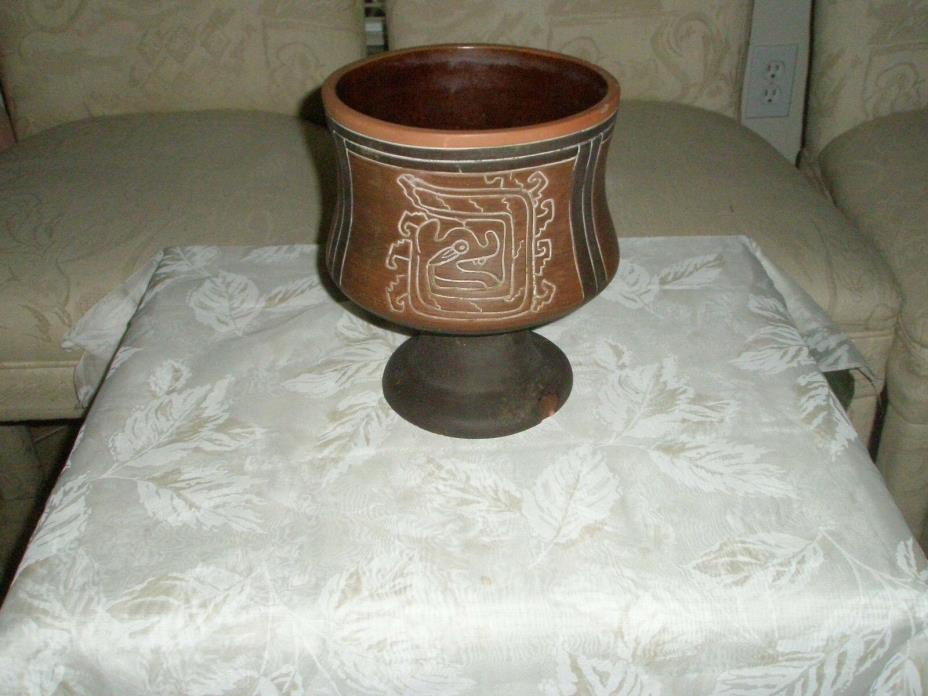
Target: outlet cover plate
771	71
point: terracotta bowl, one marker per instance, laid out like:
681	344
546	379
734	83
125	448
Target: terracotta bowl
471	203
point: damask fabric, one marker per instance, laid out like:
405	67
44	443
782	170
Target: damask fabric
685	51
85	205
65	61
100	331
243	513
870	60
878	174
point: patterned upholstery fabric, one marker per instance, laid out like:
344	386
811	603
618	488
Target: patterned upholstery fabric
684	51
66	60
870	59
878	174
85	204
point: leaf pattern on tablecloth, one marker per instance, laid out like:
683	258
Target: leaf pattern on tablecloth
569	496
910	563
654	400
185	260
715	466
768	560
178	421
635	286
652	630
830	671
900	677
210	589
302	292
360	423
473	489
360	357
830	350
609	356
776	346
169	376
227	302
121	356
689	274
638	288
579	675
176	262
363	649
244	513
467	502
65	529
820	409
204	497
233	676
272	255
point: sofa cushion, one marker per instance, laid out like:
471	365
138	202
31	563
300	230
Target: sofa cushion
878	174
677	170
687	51
85	204
64	61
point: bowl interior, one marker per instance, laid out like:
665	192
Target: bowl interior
472	88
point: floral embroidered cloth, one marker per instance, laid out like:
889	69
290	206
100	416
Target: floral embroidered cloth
244	514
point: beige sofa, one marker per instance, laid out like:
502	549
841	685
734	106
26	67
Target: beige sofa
143	125
868	141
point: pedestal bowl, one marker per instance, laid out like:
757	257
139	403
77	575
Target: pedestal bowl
471	208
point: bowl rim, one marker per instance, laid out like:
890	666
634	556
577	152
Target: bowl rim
413	136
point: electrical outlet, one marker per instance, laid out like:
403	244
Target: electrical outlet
771	70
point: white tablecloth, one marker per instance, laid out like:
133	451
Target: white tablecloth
243	513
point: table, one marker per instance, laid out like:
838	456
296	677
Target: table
242	512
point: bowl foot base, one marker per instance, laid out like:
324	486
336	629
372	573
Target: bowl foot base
477	386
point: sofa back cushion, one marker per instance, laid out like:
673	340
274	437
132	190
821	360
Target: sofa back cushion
69	59
688	51
869	59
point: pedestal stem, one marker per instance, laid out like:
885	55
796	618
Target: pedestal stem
477	386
